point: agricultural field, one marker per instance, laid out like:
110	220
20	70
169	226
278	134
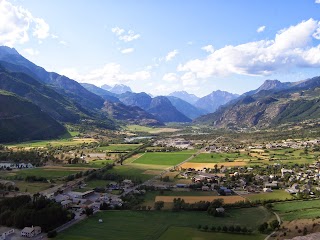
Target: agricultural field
53	143
163	224
289	211
275	195
31	187
46	172
119	147
91	164
219	157
134	172
167	158
151	130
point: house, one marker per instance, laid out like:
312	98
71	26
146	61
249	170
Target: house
3	235
267	189
205	188
30	231
66	203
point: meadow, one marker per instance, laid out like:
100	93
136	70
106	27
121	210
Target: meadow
164	158
119	147
277	194
162	224
289	211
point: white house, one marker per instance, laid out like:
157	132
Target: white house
30	231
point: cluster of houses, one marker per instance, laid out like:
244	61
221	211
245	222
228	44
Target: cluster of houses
176	143
7	165
28	232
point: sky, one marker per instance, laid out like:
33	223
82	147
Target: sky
170	45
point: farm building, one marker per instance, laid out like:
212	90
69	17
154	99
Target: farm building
30	231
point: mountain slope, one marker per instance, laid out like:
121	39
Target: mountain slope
186	108
190	98
297	102
162	108
25	121
214	100
105	94
130	114
44	97
61	84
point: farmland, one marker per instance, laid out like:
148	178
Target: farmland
289	211
194	199
168	159
119	147
275	195
158	224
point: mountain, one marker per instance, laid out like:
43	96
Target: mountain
270	85
106	87
162	108
190	98
24	121
14	62
186	108
118	88
51	102
214	100
105	94
298	101
130	114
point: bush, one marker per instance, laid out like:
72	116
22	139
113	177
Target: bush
52	234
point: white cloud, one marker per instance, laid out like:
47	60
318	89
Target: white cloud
16	24
125	36
127	50
110	73
317	1
63	43
171	55
291	47
170	77
261	29
189	79
208	48
31	51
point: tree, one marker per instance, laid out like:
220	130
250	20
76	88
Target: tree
52	234
158	205
263	227
274	224
88	211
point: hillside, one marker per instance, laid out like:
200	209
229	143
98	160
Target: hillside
186	108
25	121
298	102
105	94
51	102
190	98
130	114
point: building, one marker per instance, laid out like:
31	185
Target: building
66	203
30	231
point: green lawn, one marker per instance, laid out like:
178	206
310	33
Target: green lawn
164	158
119	147
152	225
187	233
40	172
289	211
278	194
219	157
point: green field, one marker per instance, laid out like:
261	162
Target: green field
119	147
138	128
40	172
219	157
34	187
185	233
132	172
53	143
167	158
154	225
289	211
91	164
275	195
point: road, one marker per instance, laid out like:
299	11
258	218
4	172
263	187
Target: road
279	221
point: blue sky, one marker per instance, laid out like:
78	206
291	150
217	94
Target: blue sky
168	45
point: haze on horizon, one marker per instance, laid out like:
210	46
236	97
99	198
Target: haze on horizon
163	46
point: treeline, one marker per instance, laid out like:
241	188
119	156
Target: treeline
22	211
34	157
225	229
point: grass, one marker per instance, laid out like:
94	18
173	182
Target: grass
91	164
138	128
131	172
275	195
119	147
218	157
167	158
154	224
40	172
34	187
185	233
289	211
53	143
